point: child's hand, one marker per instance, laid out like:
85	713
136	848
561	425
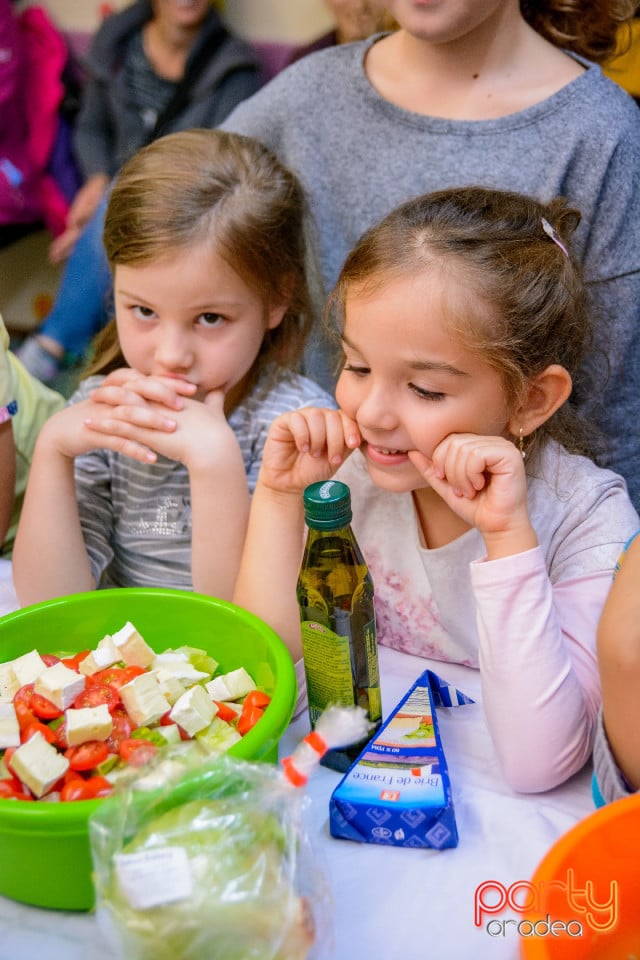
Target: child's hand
482	479
66	433
89	425
195	433
306	446
126	387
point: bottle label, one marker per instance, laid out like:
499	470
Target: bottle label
373	671
327	666
375	704
371	653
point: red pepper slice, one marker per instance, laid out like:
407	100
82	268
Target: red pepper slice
248	719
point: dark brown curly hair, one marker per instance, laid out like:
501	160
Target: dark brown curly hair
589	28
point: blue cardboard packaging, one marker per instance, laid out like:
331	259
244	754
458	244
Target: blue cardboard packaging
398	791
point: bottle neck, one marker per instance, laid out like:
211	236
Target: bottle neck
338	529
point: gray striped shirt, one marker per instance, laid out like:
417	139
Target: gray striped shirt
136	518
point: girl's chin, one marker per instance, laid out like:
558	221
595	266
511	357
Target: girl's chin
394	479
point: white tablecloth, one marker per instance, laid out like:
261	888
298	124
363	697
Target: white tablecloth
390	903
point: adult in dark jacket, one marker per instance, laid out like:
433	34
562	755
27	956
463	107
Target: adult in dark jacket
156	67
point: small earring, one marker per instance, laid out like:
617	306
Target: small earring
523	452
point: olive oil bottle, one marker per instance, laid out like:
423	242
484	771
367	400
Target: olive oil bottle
335	597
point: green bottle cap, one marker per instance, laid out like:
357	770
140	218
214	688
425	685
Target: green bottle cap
327	505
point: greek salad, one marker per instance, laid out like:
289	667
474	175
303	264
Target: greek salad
69	725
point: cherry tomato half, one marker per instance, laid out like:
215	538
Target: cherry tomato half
43	708
24	715
13	790
67	776
99	786
61	736
50	659
137	752
86	756
22	696
22	705
121	729
86	789
115	676
36	727
95	694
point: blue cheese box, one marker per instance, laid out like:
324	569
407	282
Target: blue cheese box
398	791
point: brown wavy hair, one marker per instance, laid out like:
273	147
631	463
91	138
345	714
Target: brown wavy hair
209	186
590	28
524	299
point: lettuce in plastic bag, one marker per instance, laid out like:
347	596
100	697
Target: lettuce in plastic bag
213	865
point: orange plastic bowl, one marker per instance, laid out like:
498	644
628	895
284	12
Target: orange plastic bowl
587	890
45	859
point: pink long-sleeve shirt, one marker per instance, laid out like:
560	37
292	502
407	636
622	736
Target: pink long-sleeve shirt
528	622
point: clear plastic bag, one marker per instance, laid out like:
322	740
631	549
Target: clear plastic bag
209	859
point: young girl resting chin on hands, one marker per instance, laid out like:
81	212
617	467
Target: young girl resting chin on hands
144	478
491	543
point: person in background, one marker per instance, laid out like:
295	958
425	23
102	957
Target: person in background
490	540
33	57
354	20
498	93
155	67
150	467
25	404
616	753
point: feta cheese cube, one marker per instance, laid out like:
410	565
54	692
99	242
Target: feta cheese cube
230	686
179	666
87	723
8	680
9	726
28	667
143	699
38	764
131	647
218	689
171	687
60	685
105	655
170	732
194	710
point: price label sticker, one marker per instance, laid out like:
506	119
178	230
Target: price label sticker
152	878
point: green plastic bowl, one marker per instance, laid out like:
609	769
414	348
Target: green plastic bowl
45	859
